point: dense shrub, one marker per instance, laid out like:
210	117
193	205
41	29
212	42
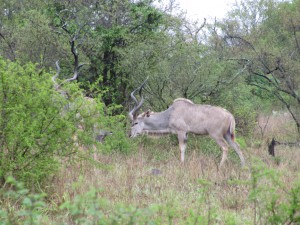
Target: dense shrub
38	125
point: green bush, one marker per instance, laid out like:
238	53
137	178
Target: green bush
243	105
38	125
19	206
118	142
272	201
90	208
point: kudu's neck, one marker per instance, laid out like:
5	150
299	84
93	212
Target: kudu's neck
158	123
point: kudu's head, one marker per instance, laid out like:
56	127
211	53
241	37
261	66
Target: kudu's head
137	121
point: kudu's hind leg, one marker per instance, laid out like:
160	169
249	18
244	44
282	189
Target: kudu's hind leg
182	139
222	143
236	147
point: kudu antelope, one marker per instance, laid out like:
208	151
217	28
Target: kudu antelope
184	117
89	103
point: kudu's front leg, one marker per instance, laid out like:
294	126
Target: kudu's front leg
182	139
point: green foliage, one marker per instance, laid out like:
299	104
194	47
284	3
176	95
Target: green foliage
37	124
36	33
124	42
112	122
85	209
29	123
266	190
206	201
205	144
265	40
243	105
19	206
118	141
90	208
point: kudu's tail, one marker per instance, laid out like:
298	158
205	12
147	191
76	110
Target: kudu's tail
231	129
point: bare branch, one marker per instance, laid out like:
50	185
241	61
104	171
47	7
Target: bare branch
288	106
56	85
228	36
201	27
295	36
10	46
263	127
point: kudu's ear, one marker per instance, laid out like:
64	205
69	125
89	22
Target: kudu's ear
148	113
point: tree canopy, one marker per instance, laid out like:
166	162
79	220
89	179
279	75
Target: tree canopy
119	43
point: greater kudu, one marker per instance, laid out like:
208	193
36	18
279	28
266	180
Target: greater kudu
184	117
89	104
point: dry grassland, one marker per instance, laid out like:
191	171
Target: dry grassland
153	175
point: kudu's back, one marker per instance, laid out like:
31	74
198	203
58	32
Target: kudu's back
200	119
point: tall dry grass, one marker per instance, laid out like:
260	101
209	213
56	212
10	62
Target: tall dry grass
278	125
154	175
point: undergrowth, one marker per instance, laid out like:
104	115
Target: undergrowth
257	195
145	183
